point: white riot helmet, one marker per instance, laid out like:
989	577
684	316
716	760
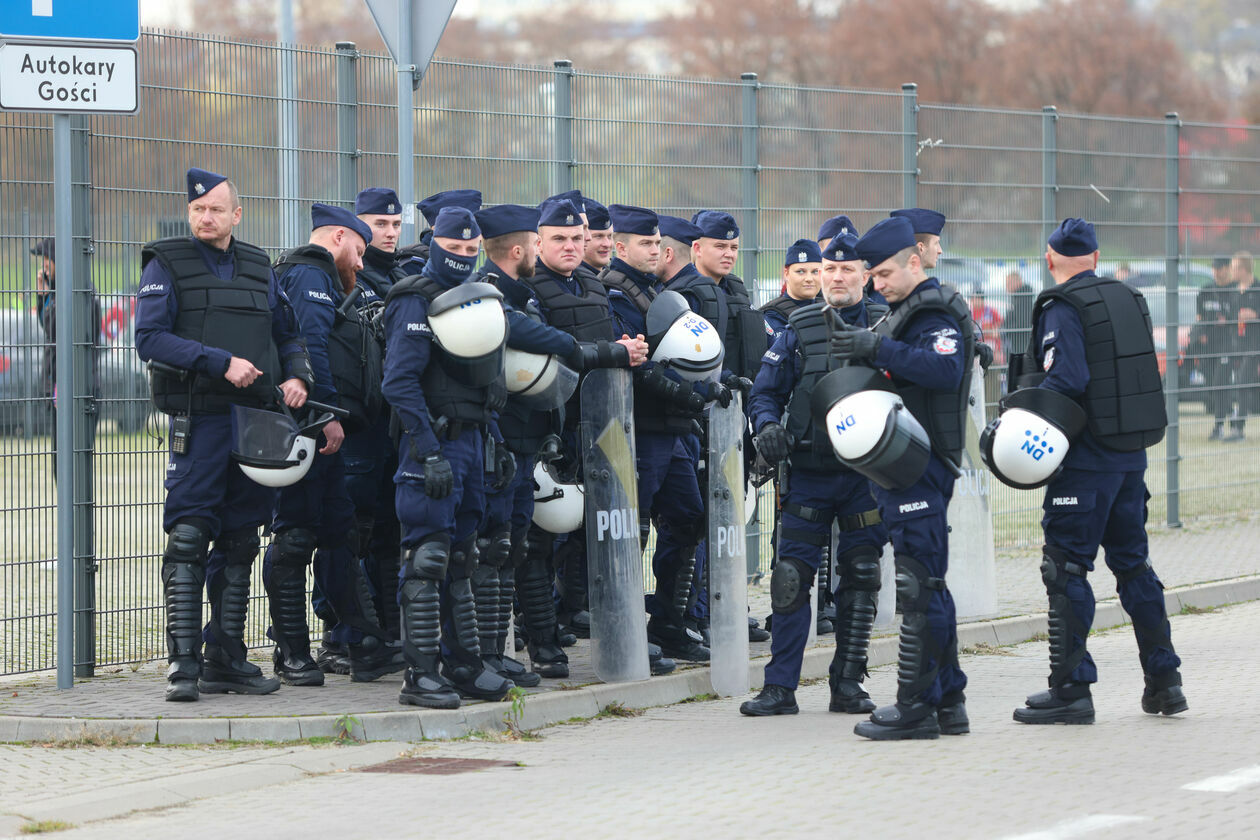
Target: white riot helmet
1025	445
470	325
538	380
682	340
270	447
558	507
870	429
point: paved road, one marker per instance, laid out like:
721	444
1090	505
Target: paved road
701	769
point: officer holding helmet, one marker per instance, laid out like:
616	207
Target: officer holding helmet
1099	497
210	305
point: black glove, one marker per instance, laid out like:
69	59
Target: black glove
504	467
720	394
855	344
773	443
985	354
737	383
550	449
439	478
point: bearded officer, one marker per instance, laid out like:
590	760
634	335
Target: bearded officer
440	478
802	281
817	490
926	344
210	304
1100	496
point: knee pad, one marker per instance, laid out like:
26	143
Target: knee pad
1057	567
790	583
464	557
240	547
428	560
294	546
188	542
520	547
861	568
915	586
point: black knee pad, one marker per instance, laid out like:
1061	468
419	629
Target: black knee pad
790	584
497	549
520	547
1057	568
428	560
294	547
914	586
860	567
188	542
240	547
464	556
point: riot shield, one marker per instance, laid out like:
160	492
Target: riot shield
619	651
971	575
728	580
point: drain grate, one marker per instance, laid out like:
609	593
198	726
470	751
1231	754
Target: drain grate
436	766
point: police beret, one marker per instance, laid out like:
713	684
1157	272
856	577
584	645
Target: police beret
886	238
456	223
842	248
924	221
201	181
559	213
679	229
638	221
503	219
574	196
835	226
377	201
802	251
1074	238
323	215
470	200
715	224
48	248
597	217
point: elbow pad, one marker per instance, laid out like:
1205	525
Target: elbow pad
590	355
298	366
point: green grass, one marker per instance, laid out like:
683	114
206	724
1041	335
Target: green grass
45	827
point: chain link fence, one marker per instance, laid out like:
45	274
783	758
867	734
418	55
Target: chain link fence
293	125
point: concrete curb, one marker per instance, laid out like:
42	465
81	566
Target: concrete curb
557	706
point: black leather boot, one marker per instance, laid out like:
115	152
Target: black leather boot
286	590
773	700
183	577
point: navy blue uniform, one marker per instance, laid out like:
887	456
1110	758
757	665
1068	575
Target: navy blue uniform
1099	499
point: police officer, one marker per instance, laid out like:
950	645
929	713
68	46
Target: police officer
444	399
209	304
714	253
802	281
599	247
1100	496
926	344
315	518
413	257
833	227
1214	339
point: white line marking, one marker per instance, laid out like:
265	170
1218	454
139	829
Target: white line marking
1230	782
1079	827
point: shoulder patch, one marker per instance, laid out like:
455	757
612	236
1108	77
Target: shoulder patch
151	289
1048	360
418	328
1048	337
945	346
769	329
316	294
771	356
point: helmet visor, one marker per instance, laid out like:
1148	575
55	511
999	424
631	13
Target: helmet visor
262	438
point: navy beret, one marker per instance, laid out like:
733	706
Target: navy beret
924	221
886	238
802	251
574	196
637	221
377	201
470	200
559	213
201	181
1074	238
835	226
716	224
503	219
842	248
323	215
456	223
679	229
597	217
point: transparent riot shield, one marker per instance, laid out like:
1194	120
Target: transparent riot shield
971	548
728	580
619	651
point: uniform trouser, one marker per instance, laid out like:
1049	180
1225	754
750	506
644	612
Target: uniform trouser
836	494
1218	374
370	462
1247	382
670	494
918	528
1084	510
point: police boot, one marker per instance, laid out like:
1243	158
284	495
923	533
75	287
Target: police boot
573	615
952	714
372	657
669	629
1163	694
539	609
773	700
421	619
1066	701
291	552
332	657
1069	702
755	633
658	663
910	718
225	668
509	667
183	576
855	617
464	666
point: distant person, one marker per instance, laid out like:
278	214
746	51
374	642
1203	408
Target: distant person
1247	364
989	322
46	311
1214	341
1018	313
1123	272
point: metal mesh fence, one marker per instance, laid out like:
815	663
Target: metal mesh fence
294	125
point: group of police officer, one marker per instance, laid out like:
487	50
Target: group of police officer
412	429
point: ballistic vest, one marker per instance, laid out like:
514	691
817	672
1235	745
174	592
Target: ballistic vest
585	317
745	334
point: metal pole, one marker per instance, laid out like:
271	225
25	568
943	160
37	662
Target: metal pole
1049	180
63	301
290	224
347	121
407	82
750	196
84	413
910	145
1172	344
565	163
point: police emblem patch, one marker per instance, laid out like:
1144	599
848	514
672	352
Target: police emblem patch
769	330
1048	360
945	346
730	234
200	188
467	233
568	220
801	256
389	208
844	231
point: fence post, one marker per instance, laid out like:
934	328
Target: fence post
564	125
1049	180
87	330
750	197
1172	344
291	229
910	145
347	121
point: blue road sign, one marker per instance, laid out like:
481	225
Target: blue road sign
70	20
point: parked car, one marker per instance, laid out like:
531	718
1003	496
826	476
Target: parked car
23	403
124	391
